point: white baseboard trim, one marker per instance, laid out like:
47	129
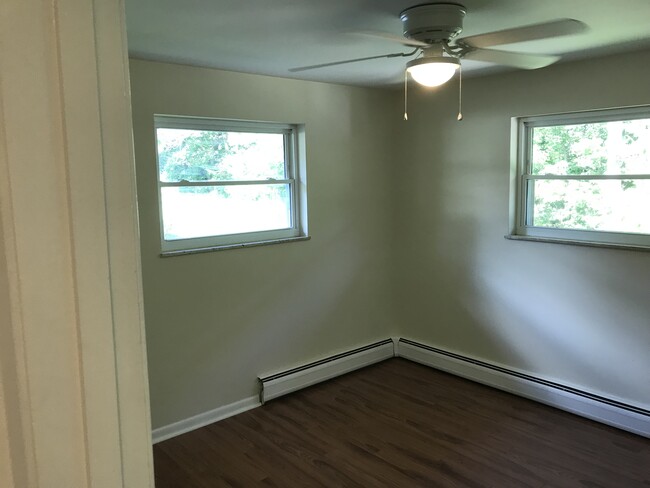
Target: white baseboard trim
201	420
608	411
278	384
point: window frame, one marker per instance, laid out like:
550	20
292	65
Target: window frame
521	165
290	133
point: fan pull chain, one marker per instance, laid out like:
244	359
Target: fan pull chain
406	115
460	93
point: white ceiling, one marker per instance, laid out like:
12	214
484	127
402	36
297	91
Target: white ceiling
271	36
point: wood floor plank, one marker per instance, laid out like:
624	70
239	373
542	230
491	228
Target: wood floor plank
401	424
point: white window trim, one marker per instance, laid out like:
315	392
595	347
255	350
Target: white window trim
520	163
247	239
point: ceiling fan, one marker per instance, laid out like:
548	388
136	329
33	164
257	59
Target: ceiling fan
433	30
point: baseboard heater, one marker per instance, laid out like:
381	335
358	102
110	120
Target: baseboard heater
596	407
282	383
580	402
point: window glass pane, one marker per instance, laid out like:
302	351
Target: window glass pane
208	155
605	205
202	211
604	148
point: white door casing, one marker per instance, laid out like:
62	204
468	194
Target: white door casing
74	407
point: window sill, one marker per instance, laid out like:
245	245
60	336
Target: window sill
573	242
226	247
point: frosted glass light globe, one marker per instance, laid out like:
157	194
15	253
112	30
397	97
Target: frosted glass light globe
433	71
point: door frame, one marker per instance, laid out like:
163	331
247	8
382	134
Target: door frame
74	400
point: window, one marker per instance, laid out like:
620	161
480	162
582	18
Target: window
584	176
223	183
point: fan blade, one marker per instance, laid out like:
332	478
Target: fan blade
392	37
336	63
555	28
516	60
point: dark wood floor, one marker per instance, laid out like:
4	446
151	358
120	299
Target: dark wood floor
405	425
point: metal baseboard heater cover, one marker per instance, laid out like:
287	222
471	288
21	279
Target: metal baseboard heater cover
282	383
586	404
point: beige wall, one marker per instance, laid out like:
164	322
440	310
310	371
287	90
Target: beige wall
407	223
217	320
577	315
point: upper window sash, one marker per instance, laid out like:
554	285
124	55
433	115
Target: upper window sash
225	125
587	116
528	124
269	181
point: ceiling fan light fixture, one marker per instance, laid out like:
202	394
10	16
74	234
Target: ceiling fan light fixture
433	70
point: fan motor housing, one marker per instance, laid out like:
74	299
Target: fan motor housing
433	22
